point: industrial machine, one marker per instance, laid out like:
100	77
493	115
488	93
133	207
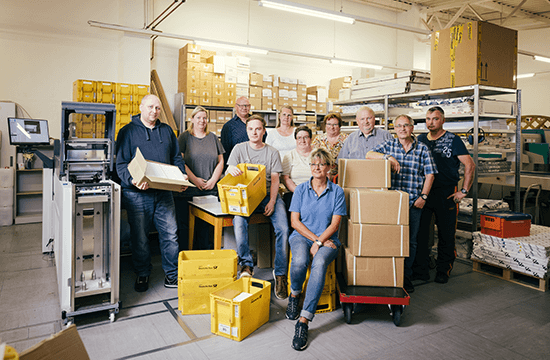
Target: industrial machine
84	211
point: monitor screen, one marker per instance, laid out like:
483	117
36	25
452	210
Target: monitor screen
28	132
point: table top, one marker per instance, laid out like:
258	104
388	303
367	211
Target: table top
214	208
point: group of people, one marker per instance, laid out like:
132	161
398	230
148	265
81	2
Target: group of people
311	203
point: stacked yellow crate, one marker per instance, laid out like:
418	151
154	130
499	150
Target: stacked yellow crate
84	91
200	272
124	105
327	301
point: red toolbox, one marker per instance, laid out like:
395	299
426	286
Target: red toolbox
505	224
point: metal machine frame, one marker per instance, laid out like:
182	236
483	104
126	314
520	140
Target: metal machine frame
85	207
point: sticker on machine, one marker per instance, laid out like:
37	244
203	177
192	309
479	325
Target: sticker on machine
224	329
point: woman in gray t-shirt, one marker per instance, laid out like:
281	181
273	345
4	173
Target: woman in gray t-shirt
202	152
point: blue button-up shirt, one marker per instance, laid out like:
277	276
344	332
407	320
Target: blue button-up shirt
357	145
415	165
316	211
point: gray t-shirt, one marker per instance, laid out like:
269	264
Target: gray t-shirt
268	156
200	155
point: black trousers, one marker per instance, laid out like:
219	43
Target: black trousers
445	211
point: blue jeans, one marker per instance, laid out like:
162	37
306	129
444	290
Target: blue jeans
280	224
414	225
300	247
147	208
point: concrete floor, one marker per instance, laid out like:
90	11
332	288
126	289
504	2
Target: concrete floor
474	316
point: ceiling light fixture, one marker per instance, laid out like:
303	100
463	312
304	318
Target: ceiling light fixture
356	64
523	76
306	10
541	58
232	47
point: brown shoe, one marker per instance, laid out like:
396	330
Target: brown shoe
246	271
281	286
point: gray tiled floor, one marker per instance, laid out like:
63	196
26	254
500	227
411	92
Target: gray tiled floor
474	316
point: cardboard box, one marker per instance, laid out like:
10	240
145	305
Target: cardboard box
370	206
374	271
319	91
364	173
157	175
190	48
474	53
321	108
256	79
65	345
337	84
192	100
378	240
255	103
255	92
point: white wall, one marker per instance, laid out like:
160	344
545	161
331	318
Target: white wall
47	45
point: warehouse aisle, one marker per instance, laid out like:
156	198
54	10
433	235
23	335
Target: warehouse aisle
474	316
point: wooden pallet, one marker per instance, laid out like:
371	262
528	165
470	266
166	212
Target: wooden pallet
511	275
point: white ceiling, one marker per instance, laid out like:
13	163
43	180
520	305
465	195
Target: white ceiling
516	14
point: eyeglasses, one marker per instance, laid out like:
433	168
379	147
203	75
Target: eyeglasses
318	165
333	125
402	126
302	137
243	105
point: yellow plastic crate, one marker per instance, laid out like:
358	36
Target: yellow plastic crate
105	92
123	89
242	194
236	319
327	303
84	91
330	277
194	294
140	90
207	264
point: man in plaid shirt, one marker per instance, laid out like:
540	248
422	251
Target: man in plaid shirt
413	171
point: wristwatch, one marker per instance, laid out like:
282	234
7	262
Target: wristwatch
464	191
387	157
424	197
319	243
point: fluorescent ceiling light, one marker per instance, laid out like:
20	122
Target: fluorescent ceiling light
541	58
303	10
232	47
356	64
522	76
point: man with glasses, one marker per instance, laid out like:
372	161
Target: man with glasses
413	171
448	152
366	138
234	131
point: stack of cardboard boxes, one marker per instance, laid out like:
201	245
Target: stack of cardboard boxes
376	235
342	84
126	98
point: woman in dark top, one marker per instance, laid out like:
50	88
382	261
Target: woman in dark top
203	156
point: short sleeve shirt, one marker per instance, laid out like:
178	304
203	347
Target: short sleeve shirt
268	156
316	211
445	152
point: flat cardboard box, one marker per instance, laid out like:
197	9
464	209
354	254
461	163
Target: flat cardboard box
65	345
256	79
374	271
378	240
474	53
157	175
256	103
370	206
364	173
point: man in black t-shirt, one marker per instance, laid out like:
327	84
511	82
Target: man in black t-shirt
448	152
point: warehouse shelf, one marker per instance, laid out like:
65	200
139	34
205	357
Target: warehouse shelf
476	92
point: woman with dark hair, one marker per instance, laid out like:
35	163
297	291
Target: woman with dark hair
332	140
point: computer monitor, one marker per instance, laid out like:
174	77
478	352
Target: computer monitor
28	132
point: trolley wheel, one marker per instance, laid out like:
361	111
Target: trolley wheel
348	311
396	310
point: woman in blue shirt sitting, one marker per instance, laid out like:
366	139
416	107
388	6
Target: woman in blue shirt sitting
316	211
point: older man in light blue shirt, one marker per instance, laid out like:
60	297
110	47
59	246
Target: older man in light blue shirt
360	142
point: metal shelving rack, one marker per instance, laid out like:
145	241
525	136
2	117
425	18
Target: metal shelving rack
477	91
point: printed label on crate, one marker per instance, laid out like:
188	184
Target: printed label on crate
236	311
244	209
244	194
224	329
234	208
235	332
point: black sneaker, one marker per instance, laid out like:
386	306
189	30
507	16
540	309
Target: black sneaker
409	288
292	311
142	283
170	283
300	336
441	278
